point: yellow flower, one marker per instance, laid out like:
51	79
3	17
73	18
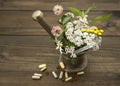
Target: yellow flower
95	28
99	33
95	32
83	30
101	30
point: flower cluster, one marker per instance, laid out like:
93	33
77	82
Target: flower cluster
76	32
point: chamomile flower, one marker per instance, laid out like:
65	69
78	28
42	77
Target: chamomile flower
59	46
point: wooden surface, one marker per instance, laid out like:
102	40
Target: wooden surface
24	44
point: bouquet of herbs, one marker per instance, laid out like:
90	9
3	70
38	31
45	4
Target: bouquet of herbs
75	33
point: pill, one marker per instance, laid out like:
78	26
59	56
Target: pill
67	79
80	73
37	74
62	65
42	65
54	74
44	68
66	74
35	77
61	75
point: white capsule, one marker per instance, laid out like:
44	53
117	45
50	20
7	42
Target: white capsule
62	65
67	79
42	65
54	74
35	77
80	73
44	68
61	75
37	74
66	74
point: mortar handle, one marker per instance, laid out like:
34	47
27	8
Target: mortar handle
39	17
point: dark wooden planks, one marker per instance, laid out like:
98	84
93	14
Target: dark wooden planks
110	43
14	68
35	55
21	23
48	4
12	78
27	63
24	44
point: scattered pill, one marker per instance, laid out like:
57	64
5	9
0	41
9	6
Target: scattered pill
35	77
80	73
54	74
61	75
62	65
42	65
67	79
66	74
44	68
37	74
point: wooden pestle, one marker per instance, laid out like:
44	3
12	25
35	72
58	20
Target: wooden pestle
39	17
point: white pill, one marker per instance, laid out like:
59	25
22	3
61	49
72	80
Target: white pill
44	68
37	74
66	74
42	65
80	73
61	75
35	77
62	65
54	74
67	79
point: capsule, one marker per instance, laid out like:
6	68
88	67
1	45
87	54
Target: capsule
42	69
61	75
42	65
54	74
35	77
80	73
67	79
66	74
37	74
62	65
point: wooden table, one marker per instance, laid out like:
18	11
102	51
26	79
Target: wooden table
24	44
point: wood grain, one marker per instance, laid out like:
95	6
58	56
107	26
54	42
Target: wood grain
41	4
110	43
21	23
24	44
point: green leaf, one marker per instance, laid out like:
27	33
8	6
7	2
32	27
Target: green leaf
99	18
67	42
61	19
51	37
76	11
83	13
88	10
64	19
60	37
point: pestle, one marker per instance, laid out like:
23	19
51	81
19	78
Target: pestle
39	17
